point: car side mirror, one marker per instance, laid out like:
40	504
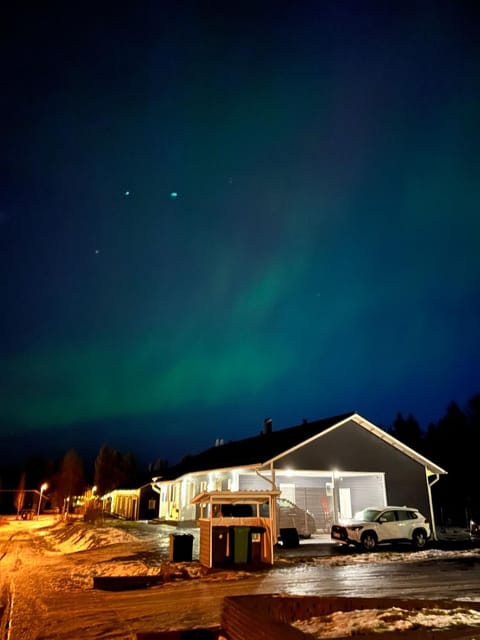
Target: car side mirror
382	519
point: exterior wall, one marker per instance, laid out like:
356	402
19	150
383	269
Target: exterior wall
251	482
134	504
163	504
365	490
205	544
193	484
350	447
188	489
315	491
169	496
369	470
124	504
148	507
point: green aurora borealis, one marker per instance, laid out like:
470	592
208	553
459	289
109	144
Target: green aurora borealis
322	254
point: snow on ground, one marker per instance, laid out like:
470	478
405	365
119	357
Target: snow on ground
69	538
150	543
49	575
117	548
120	548
358	622
395	556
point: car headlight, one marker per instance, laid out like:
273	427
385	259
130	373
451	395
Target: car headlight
356	528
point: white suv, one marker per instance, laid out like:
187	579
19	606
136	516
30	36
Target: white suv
376	525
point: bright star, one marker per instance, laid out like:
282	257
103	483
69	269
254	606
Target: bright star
173	194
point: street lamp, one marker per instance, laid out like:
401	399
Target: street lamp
42	489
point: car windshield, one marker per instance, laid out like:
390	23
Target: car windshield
367	515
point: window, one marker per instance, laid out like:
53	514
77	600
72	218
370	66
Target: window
151	504
388	516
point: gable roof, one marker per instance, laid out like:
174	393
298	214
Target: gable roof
259	450
256	450
383	435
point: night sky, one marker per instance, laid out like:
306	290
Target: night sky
214	212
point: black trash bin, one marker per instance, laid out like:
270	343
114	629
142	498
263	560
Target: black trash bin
219	546
181	547
256	534
289	537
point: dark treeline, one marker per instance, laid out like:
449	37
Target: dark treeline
450	443
68	477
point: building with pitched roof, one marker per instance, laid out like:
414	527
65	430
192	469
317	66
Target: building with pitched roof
332	467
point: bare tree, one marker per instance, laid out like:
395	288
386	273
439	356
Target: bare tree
70	480
20	494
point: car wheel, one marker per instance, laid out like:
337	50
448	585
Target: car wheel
419	539
369	541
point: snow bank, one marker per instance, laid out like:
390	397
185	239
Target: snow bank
77	536
357	622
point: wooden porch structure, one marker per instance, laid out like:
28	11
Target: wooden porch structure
229	539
